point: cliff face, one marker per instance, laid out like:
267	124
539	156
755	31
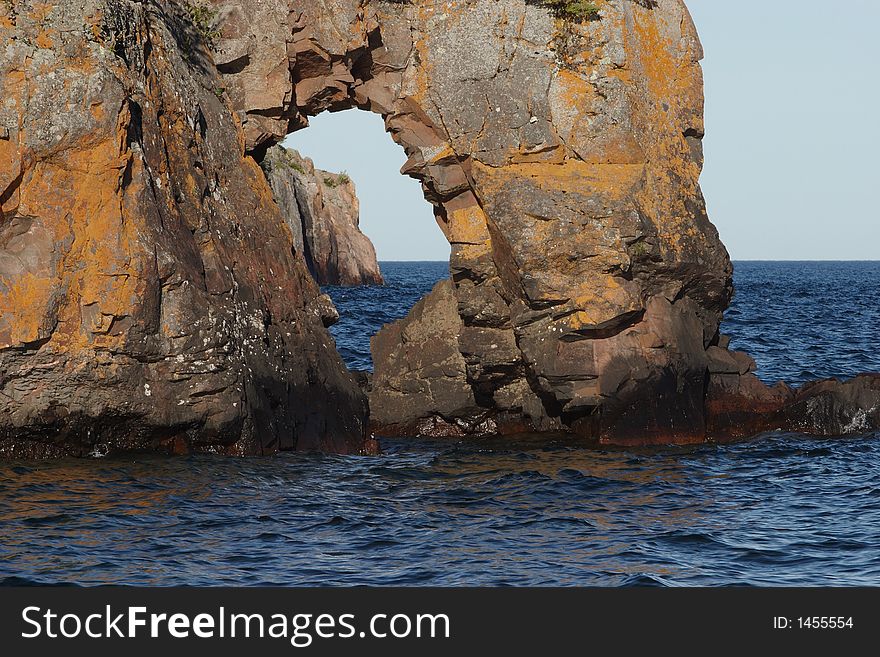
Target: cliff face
323	213
150	296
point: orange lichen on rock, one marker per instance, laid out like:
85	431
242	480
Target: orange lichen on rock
655	54
150	296
44	39
23	309
576	176
94	245
465	221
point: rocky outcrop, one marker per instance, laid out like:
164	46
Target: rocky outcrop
150	294
562	159
323	213
425	373
423	389
740	406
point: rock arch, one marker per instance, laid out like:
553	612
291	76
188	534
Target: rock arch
562	160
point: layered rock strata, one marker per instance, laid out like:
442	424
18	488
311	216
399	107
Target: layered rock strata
150	293
323	213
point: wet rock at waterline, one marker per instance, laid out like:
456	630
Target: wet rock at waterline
742	406
323	213
150	294
424	374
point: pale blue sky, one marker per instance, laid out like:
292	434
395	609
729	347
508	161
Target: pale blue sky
792	143
394	212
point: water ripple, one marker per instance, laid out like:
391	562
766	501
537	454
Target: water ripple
807	320
783	511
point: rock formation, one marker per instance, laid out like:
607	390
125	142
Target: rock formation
563	161
152	295
741	406
323	213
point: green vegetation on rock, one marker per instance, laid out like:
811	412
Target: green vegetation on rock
578	10
334	182
204	20
572	10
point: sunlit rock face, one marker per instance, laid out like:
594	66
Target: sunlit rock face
150	295
563	162
323	213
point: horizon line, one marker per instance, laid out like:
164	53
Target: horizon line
732	260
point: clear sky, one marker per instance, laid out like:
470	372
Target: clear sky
792	144
394	212
793	127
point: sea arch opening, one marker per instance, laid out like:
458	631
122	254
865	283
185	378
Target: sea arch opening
393	210
455	359
357	177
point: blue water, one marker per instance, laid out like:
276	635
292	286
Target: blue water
364	310
803	321
783	510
